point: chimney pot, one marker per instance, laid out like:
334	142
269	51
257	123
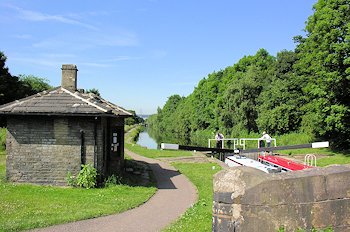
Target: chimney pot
69	77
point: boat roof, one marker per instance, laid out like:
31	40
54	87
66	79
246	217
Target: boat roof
285	163
237	160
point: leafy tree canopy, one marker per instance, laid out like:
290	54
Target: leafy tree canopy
306	90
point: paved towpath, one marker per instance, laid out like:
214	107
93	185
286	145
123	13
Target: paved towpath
175	194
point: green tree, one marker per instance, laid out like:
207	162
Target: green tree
35	84
243	94
324	64
280	106
135	119
94	91
10	87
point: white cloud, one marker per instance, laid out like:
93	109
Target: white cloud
38	61
44	59
38	16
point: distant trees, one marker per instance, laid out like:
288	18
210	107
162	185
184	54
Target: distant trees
306	90
135	119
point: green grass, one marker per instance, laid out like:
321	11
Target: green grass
154	154
150	153
332	157
315	151
25	206
2	138
336	159
2	166
198	217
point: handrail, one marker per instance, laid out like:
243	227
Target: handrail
235	142
310	160
242	141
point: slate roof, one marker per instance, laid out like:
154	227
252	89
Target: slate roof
60	101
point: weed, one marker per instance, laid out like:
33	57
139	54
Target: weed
71	180
112	181
87	176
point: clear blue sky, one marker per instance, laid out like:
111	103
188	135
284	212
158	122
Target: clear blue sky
140	52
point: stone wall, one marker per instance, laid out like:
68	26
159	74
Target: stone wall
246	199
42	149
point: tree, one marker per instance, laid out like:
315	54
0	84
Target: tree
324	64
10	87
135	119
280	106
35	84
94	91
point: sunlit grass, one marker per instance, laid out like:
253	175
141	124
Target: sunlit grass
315	151
150	153
198	217
153	153
26	206
337	159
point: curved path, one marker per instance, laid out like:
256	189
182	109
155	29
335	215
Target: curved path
175	194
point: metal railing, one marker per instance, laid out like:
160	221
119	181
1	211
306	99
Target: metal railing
310	160
235	142
241	142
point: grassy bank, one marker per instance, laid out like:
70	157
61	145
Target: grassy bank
131	145
198	217
154	154
26	206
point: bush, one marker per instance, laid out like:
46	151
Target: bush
71	180
294	138
113	180
87	176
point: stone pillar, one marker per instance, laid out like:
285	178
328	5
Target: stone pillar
69	77
246	199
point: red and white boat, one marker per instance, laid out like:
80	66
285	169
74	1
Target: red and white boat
237	160
284	164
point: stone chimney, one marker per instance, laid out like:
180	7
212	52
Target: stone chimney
69	77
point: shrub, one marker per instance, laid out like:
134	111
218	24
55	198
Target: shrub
71	180
87	176
113	180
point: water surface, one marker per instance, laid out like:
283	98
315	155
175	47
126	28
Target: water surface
146	141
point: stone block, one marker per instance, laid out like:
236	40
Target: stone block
295	200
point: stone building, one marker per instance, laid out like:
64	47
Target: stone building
54	132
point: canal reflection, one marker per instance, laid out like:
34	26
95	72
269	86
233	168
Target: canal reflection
145	140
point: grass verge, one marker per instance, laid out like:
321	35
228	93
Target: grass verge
325	156
198	217
25	206
153	153
336	159
150	153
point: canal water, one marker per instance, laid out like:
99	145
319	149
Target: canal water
145	140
